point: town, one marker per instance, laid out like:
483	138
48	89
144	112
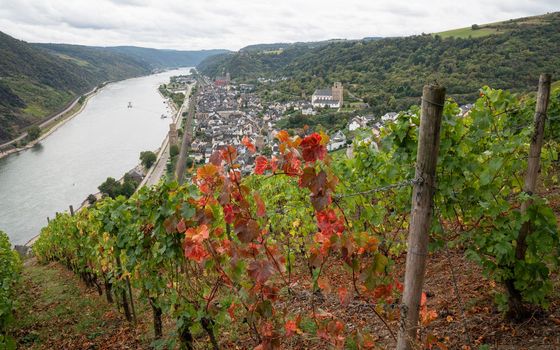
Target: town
227	111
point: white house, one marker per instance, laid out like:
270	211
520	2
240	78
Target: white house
389	116
338	140
357	123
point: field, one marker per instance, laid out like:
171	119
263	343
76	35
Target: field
492	28
468	32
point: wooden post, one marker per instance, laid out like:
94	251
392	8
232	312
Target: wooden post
71	210
533	163
48	220
433	97
186	143
515	302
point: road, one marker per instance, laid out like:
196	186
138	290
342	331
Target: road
157	171
51	120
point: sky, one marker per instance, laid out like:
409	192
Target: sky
233	24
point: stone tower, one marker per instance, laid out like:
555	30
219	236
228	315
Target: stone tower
338	92
173	135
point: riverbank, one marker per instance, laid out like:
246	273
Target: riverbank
149	178
57	121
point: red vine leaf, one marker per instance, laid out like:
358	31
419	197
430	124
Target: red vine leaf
228	213
247	143
291	327
283	136
198	234
195	251
260	270
247	230
181	226
231	311
261	209
261	164
312	148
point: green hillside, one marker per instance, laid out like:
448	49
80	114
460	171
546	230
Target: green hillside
166	58
34	83
37	80
389	73
477	31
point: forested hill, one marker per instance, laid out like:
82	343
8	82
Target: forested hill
37	80
154	58
166	58
389	73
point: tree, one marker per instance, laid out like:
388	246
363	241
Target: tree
148	158
110	188
33	133
91	199
128	186
113	188
475	27
173	150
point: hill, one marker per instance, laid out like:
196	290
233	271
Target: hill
477	31
37	80
389	73
282	46
155	58
36	83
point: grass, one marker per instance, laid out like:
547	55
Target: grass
55	311
493	28
78	61
468	32
40	99
555	85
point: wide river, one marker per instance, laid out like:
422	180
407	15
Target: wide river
105	139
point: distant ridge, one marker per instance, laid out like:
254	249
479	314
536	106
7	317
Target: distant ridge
155	58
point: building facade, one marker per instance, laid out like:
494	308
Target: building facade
332	97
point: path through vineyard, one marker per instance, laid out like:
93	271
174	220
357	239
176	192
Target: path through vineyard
56	311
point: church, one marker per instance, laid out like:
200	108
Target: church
332	98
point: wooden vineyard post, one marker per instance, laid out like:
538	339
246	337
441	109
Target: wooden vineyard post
516	309
433	97
71	210
533	163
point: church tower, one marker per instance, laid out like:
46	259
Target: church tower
338	92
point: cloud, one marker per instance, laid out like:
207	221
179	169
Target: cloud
232	24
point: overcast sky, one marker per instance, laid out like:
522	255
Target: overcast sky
232	24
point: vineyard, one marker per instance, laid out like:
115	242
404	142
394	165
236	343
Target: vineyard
10	266
278	259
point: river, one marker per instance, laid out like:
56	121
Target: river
105	139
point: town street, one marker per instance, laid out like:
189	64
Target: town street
158	169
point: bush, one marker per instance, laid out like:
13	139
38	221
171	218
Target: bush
10	266
173	150
91	199
33	133
148	158
113	188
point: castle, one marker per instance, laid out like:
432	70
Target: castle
332	97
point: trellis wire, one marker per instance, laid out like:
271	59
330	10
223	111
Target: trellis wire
404	183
